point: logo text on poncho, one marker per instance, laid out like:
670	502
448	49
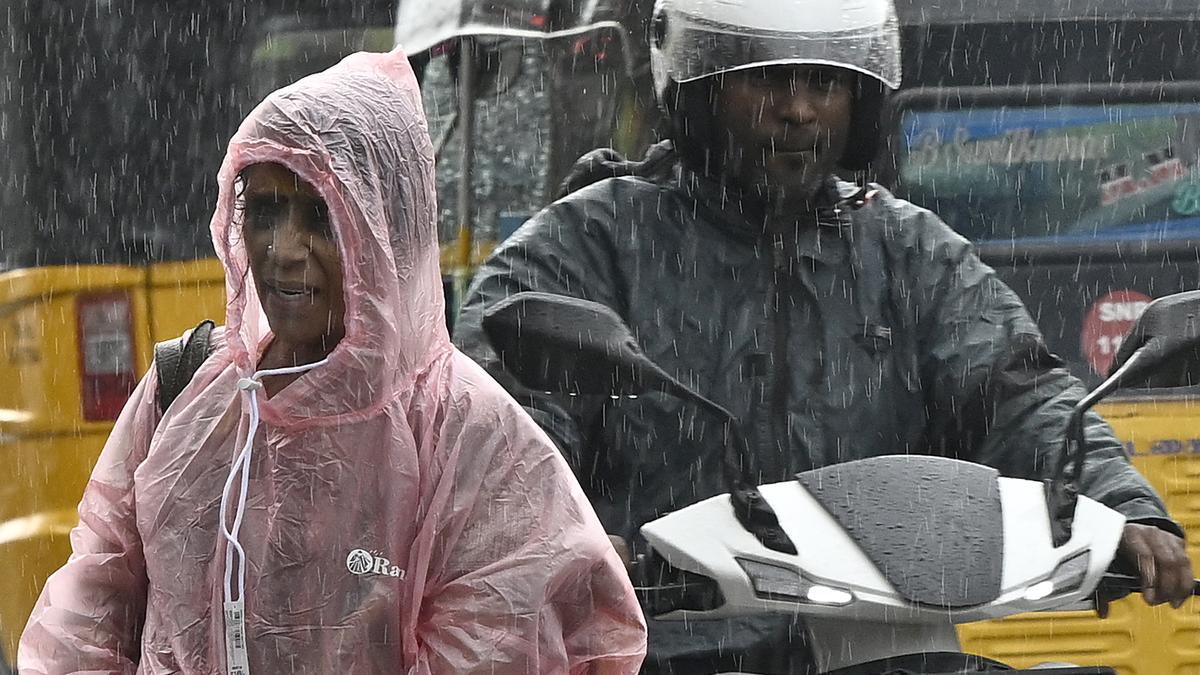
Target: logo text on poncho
362	562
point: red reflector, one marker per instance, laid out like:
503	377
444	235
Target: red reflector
105	332
537	21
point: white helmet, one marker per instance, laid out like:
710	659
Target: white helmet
693	39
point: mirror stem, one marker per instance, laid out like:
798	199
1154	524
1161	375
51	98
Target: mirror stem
1062	490
752	511
465	116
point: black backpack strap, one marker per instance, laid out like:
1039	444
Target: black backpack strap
178	360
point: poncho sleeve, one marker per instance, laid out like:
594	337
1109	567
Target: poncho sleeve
522	578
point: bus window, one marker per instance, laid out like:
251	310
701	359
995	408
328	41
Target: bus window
1057	173
539	105
535	106
1086	202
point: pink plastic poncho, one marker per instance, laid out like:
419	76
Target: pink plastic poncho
403	514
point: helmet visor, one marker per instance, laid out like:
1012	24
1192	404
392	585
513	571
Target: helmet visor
689	48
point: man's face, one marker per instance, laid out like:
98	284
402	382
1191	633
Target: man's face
782	129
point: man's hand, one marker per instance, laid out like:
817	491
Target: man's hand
1161	561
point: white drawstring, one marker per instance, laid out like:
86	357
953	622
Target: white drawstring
235	637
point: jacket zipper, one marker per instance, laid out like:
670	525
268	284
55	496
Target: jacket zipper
780	379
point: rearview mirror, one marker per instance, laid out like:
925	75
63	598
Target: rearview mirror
1161	350
1163	347
564	344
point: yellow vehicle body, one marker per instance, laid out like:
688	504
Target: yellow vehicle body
1135	639
51	450
48	446
182	294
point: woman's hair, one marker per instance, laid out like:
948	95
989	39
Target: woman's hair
238	215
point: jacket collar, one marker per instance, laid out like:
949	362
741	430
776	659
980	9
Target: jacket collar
822	235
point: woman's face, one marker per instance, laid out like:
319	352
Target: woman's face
294	259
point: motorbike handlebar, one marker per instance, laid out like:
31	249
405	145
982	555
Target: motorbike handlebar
1127	583
1113	587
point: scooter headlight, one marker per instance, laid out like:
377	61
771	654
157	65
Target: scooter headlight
828	595
1040	591
787	584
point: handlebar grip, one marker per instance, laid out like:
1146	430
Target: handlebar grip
1127	583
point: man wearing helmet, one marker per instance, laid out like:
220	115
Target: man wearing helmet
834	320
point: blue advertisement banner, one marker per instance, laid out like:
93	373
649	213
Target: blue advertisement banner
1061	173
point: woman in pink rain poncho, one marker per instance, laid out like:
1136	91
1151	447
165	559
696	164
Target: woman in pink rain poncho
393	510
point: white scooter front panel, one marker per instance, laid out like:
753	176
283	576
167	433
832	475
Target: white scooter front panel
832	575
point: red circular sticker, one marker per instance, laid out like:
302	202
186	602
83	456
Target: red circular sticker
1107	323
